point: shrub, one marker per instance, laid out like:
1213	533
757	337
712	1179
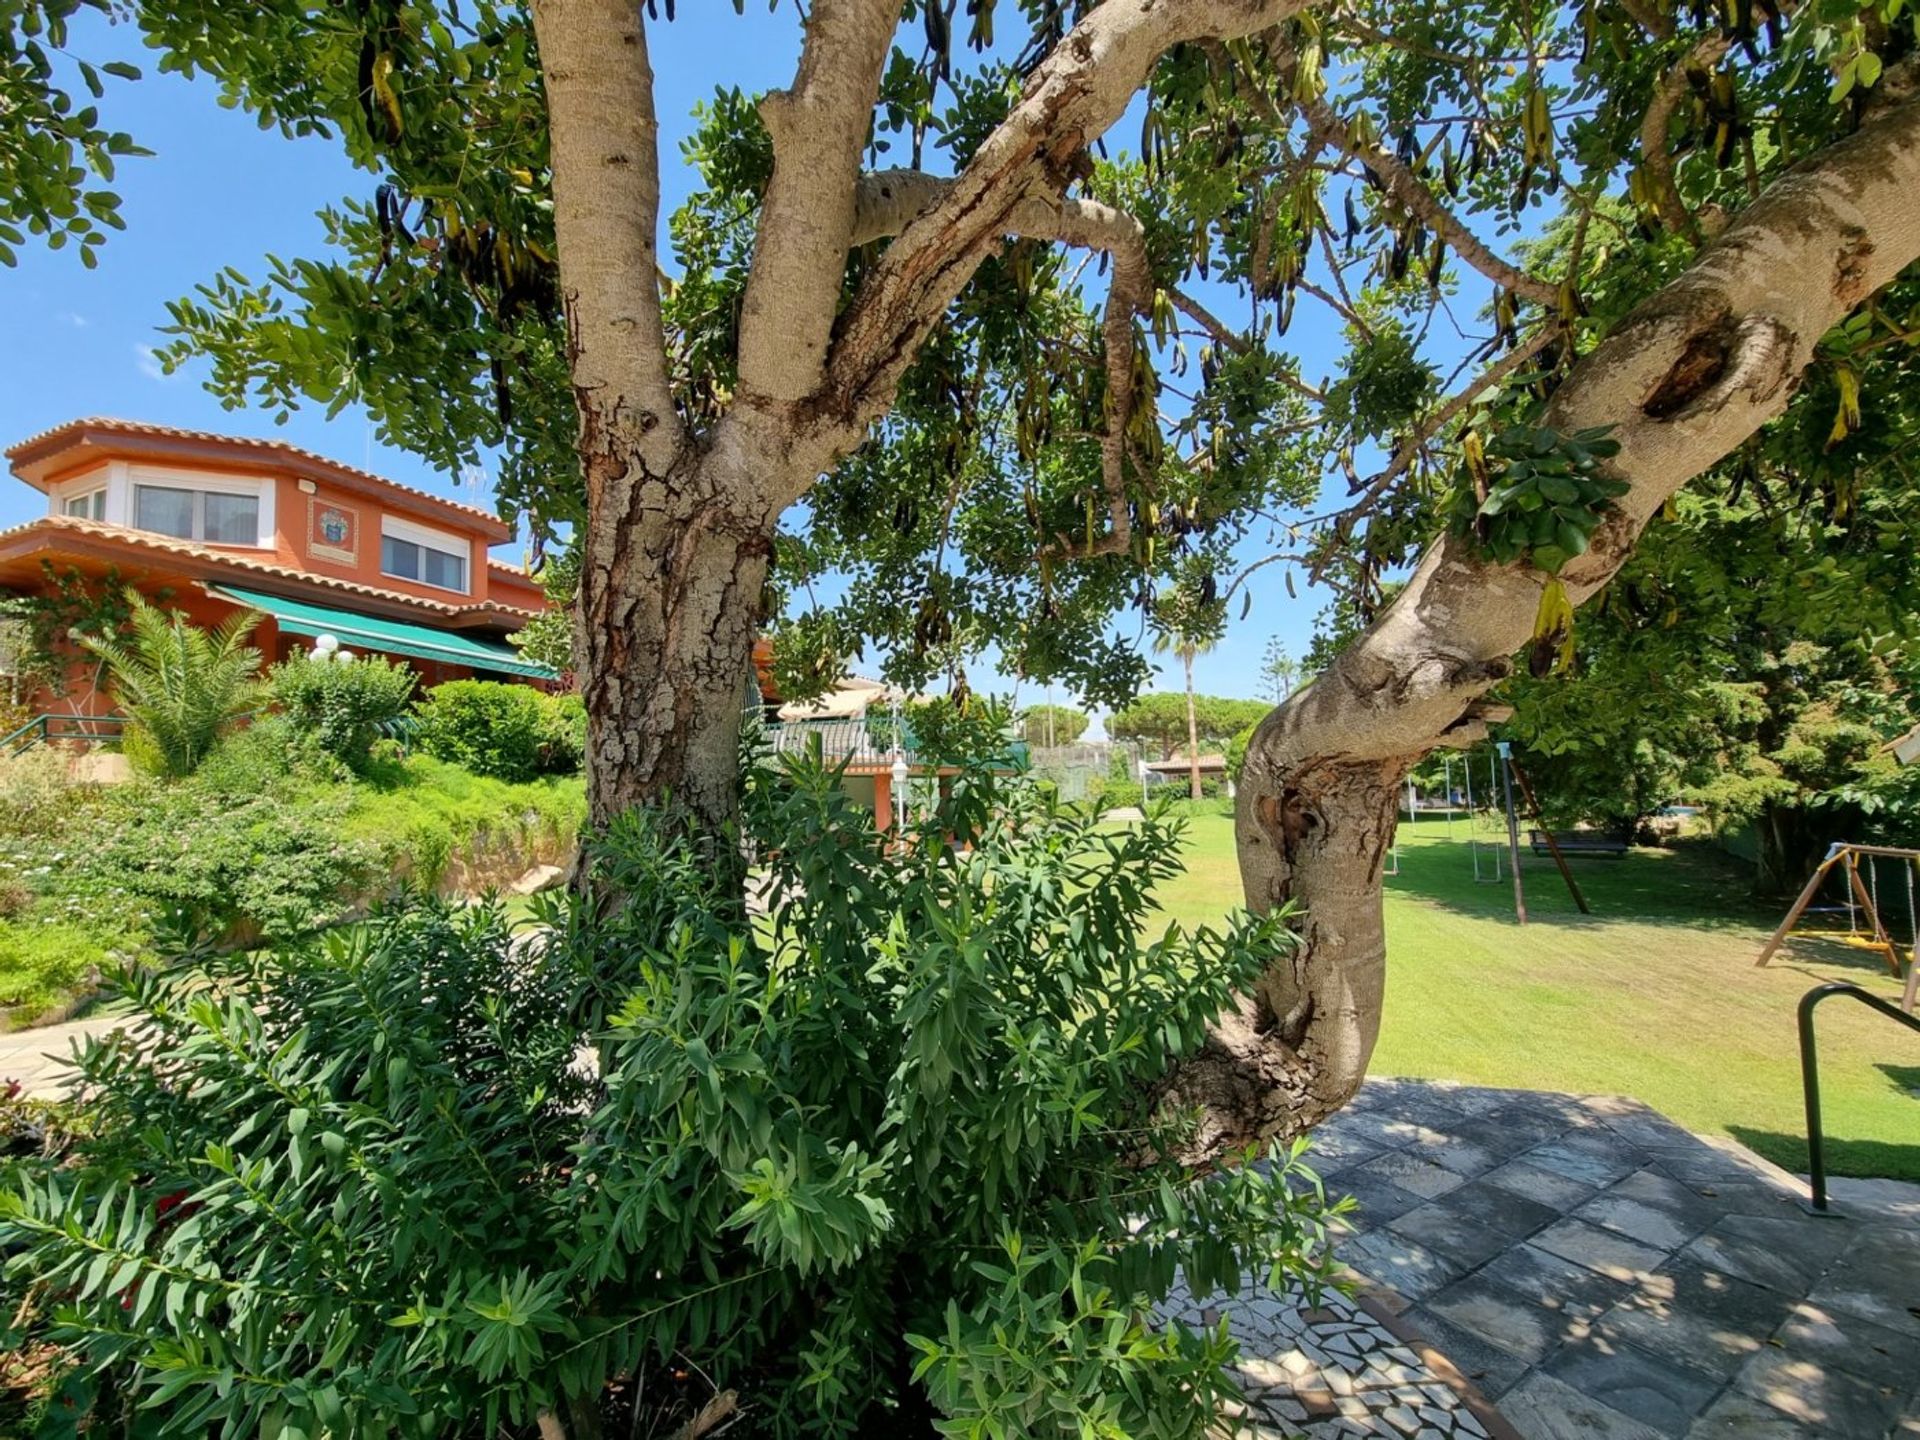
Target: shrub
271	863
879	1162
267	756
180	686
563	734
342	704
36	791
484	726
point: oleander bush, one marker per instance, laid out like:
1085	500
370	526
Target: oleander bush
876	1163
342	703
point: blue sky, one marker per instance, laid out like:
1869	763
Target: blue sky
220	191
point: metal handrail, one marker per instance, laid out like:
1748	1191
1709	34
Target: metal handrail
871	739
1810	1075
45	729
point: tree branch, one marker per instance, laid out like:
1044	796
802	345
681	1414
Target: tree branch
887	201
1409	449
1683	381
819	128
1407	191
1073	97
1093	226
1668	92
1226	339
606	206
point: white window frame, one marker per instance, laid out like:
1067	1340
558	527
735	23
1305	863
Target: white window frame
459	547
93	498
261	488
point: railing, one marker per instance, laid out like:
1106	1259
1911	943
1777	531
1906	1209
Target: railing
1810	1075
78	729
872	740
863	741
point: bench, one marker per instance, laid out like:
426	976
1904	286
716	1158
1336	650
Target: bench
1577	842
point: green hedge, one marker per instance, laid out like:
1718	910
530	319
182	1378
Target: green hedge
508	732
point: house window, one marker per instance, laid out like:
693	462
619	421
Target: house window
90	506
412	560
214	516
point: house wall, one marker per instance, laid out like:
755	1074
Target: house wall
295	512
87	688
89	692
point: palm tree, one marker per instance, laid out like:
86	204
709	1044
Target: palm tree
1189	621
1280	668
179	685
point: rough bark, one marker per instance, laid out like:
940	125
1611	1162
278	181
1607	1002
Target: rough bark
680	528
1684	380
669	606
677	538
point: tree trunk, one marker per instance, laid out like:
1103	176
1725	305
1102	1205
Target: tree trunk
1683	380
669	607
1193	732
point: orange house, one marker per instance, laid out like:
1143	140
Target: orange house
214	523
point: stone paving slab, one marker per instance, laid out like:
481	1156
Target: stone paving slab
37	1060
1603	1275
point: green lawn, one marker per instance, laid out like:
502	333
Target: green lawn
1654	996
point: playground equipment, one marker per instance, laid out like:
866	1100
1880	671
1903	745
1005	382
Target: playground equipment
1860	903
1449	804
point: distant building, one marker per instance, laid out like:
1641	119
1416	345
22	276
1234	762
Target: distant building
860	725
1907	748
212	523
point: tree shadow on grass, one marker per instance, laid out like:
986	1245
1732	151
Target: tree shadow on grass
1904	1077
1818	958
1865	1159
1692	884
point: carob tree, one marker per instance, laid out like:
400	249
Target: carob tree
1558	260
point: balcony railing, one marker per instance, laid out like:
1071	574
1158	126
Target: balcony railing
873	740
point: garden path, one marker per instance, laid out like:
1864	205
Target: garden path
1600	1273
37	1059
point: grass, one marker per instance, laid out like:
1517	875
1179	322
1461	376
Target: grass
426	813
1654	996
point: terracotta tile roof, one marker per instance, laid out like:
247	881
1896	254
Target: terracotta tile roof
74	432
48	527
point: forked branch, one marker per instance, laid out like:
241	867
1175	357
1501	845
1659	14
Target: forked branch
1071	98
1409	192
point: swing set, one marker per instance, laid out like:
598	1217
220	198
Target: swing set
1860	902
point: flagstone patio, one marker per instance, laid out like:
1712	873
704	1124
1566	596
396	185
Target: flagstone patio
1598	1272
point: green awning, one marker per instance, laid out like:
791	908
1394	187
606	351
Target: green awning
390	637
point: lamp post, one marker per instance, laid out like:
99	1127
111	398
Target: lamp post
899	792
